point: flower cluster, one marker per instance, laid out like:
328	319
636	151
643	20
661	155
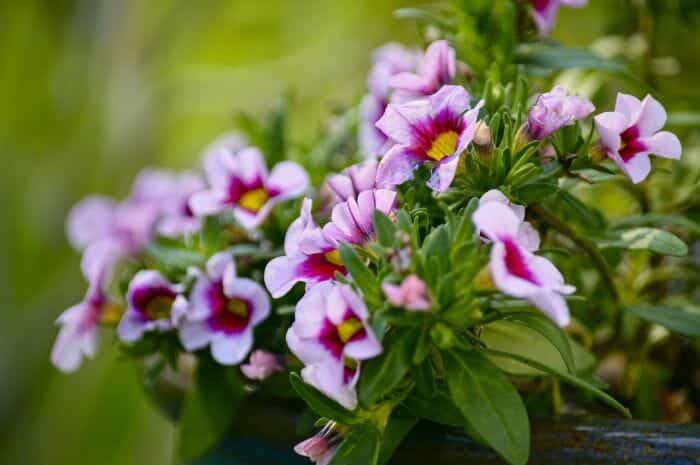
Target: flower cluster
208	305
379	296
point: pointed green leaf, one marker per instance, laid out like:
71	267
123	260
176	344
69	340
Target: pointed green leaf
361	275
381	374
566	377
489	403
208	412
360	446
675	318
654	240
384	228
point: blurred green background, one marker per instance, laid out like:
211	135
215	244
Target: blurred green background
93	90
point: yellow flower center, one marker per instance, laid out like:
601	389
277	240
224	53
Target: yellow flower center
238	308
334	257
158	307
443	146
348	328
111	314
254	199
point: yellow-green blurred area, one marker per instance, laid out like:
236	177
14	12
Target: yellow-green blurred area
93	90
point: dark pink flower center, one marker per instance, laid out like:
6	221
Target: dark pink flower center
631	145
436	138
154	303
541	5
251	197
322	266
229	314
334	338
515	262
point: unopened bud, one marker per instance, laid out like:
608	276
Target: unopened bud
522	138
483	141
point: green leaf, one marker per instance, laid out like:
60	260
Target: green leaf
321	404
361	275
360	446
557	57
381	374
208	412
175	258
438	408
210	234
489	403
654	240
512	336
675	318
579	211
566	377
658	219
550	331
534	192
384	228
595	175
400	424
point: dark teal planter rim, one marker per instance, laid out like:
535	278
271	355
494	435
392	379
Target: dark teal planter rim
266	432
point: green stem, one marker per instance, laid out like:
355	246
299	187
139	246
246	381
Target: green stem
586	245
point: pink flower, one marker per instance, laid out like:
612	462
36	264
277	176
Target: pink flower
389	60
554	110
80	324
437	68
331	335
311	252
515	270
261	365
170	192
96	221
527	236
319	448
310	257
153	305
435	130
544	12
412	294
633	131
353	180
223	311
240	181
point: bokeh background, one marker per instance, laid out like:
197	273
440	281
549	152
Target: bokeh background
91	91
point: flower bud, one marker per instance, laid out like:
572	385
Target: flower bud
483	141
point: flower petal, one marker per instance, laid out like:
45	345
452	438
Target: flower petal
251	166
89	220
652	116
630	106
610	125
504	281
207	203
398	121
397	166
553	305
289	179
664	144
231	349
194	335
444	173
281	274
496	221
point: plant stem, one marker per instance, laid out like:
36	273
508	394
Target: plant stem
588	246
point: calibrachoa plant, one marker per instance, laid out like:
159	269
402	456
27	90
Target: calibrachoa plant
407	286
